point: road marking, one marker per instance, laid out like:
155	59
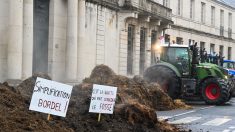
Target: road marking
206	107
216	122
231	127
192	111
226	130
183	113
170	117
185	120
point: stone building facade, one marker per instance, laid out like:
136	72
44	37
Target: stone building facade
68	38
210	23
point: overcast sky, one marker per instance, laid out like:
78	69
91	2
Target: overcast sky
230	2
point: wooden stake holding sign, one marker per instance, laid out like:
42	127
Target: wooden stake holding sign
99	117
48	117
103	99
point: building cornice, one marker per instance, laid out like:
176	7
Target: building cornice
190	30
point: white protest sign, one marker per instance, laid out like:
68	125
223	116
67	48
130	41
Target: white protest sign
103	99
50	97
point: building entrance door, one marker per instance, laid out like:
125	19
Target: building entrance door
41	30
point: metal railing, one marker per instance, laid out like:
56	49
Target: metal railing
109	3
114	2
151	7
147	6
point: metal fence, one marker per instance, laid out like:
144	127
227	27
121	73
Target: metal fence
148	6
112	3
151	7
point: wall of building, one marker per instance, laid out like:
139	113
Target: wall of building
16	39
207	32
101	35
99	45
3	38
57	39
124	45
101	40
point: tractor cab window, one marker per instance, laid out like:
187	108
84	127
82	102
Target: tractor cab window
177	56
229	65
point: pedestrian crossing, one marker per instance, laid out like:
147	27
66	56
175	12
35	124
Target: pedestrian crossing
230	129
191	119
185	120
216	122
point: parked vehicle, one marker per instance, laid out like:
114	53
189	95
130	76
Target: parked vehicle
230	66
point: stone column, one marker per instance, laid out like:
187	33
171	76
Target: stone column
15	40
71	50
81	38
27	39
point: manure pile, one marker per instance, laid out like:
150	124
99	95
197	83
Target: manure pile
135	107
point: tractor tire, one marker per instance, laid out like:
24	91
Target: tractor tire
215	91
233	86
166	78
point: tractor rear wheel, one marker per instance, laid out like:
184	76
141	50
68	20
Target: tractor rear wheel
214	91
166	78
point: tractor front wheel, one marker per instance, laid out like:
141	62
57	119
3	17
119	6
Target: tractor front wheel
215	91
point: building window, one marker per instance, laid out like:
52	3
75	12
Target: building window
192	9
221	50
212	15
203	12
229	53
230	20
179	6
130	49
202	45
202	52
167	38
212	48
153	42
166	3
191	42
179	40
142	50
221	17
221	22
230	25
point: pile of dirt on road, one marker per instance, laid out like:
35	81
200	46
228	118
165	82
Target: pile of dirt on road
129	89
135	108
179	104
26	87
15	116
129	115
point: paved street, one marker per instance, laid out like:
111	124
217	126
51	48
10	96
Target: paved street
203	118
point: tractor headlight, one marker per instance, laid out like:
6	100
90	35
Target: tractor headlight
226	77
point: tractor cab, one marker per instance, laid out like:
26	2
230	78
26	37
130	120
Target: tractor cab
177	55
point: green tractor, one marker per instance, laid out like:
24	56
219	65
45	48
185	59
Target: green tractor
180	75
